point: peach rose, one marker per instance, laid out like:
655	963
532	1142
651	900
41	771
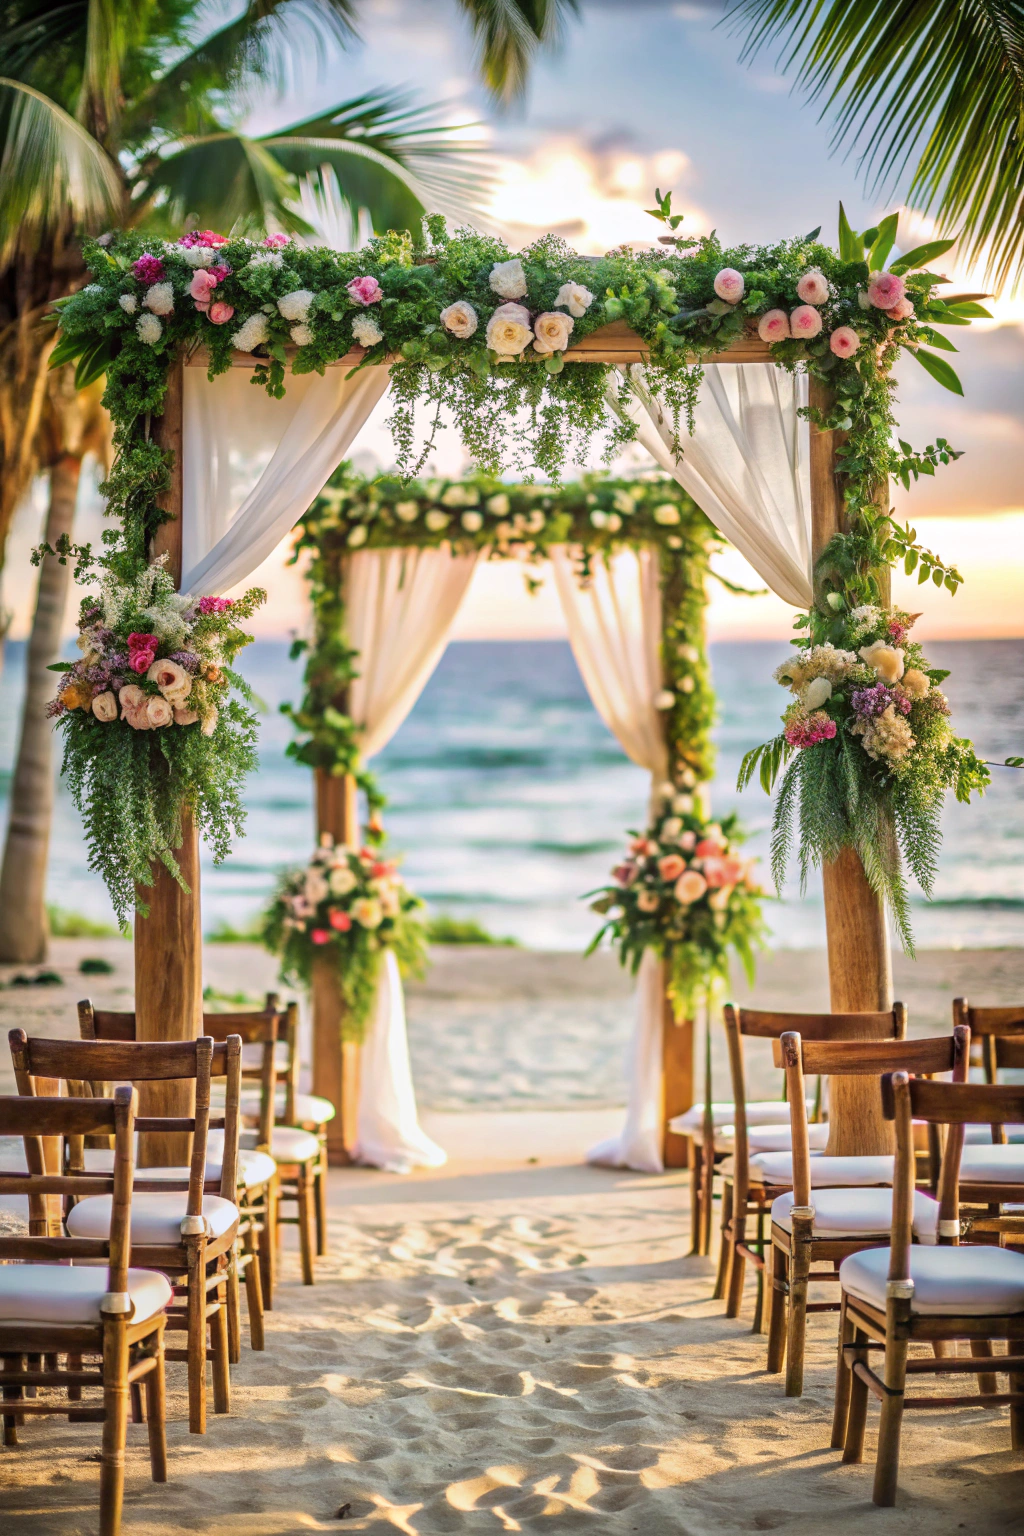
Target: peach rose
805	322
551	332
901	311
131	696
460	318
812	287
220	313
729	285
138	718
172	680
773	326
185	716
160	712
885	289
844	341
690	887
77	696
104	706
915	682
887	660
648	901
671	866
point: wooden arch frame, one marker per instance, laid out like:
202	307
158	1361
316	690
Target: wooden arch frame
168	943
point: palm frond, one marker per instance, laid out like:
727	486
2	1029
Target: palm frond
509	34
935	88
52	172
224	180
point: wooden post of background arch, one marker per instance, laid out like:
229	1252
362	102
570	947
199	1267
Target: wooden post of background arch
169	942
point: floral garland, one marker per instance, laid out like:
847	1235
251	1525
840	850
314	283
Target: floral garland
348	905
150	726
684	892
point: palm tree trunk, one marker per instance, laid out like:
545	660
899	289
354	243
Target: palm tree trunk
23	926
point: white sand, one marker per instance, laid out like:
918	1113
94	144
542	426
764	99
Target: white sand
515	1346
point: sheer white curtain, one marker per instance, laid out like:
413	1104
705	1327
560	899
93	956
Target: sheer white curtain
400	606
252	465
614	623
746	464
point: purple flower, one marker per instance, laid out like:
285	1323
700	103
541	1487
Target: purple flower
148	269
868	702
187	660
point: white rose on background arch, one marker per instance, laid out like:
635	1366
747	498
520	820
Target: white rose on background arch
508	278
508	330
551	333
575	298
460	318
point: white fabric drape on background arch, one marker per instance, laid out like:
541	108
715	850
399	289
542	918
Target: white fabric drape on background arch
235	513
400	605
614	624
746	465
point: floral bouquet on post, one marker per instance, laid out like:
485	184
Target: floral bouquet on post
683	891
150	727
348	905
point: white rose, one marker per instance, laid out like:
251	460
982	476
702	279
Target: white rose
294	306
436	520
665	699
499	505
358	536
508	330
193	255
508	278
148	329
160	299
671	828
129	303
575	298
316	887
472	521
302	335
817	691
342	880
683	804
454	496
366	331
460	318
551	332
667	514
407	511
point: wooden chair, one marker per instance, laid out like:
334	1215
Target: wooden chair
754	1179
175	1227
826	1225
79	1297
253	1255
904	1294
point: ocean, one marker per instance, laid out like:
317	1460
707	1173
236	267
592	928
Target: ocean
510	800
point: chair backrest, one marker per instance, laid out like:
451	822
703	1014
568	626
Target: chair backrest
88	1062
955	1105
264	1028
33	1119
859	1058
999	1037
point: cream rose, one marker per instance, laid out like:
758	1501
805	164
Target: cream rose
575	298
551	332
104	706
690	887
368	912
172	680
342	881
131	696
316	887
160	712
648	901
887	660
508	330
817	691
460	318
508	278
915	682
185	716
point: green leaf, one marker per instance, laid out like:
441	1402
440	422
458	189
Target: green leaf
884	242
969	308
911	561
939	369
851	246
921	255
936	339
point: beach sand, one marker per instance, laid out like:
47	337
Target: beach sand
516	1342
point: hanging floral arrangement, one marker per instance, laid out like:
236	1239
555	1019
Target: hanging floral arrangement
151	727
684	892
347	906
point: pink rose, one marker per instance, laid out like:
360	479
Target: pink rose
708	848
215	604
885	290
207	237
690	887
340	921
275	242
729	285
773	326
901	311
671	866
141	661
365	290
185	716
104	706
140	642
812	287
805	321
320	936
844	341
642	846
688	842
202	285
624	874
220	313
160	712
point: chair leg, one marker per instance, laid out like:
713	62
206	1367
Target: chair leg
758	1325
234	1309
135	1391
156	1414
268	1245
887	1459
857	1412
304	1192
220	1349
1017	1413
799	1269
12	1364
115	1426
842	1403
982	1350
321	1199
694	1154
196	1320
725	1248
707	1202
737	1263
777	1288
254	1289
74	1364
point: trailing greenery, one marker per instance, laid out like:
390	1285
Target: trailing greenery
346	907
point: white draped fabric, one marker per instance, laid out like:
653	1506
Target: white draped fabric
746	465
400	605
252	465
638	1144
387	1128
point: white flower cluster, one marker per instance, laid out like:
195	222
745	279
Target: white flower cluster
864	619
160	299
819	661
265	259
129	303
251	333
148	329
508	279
366	331
294	306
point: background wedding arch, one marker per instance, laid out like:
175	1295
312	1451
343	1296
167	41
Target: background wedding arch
758	378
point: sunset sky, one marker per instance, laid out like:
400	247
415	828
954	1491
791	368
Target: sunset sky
644	93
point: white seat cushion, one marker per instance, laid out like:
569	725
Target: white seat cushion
852	1172
156	1218
992	1164
310	1109
779	1138
859	1213
289	1145
254	1168
973	1281
58	1293
759	1112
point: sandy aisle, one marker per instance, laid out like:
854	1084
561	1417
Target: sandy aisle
514	1346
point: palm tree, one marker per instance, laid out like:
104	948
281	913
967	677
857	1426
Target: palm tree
934	86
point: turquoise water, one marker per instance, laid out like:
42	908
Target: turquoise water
510	799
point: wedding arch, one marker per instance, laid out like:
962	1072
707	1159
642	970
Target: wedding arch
712	359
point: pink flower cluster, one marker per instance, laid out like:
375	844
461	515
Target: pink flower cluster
148	269
365	290
141	651
204	281
897	632
214	604
206	237
275	242
808	730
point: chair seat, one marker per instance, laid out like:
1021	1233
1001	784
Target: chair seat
859	1213
156	1218
310	1109
852	1172
288	1144
966	1281
254	1168
759	1112
992	1164
58	1293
